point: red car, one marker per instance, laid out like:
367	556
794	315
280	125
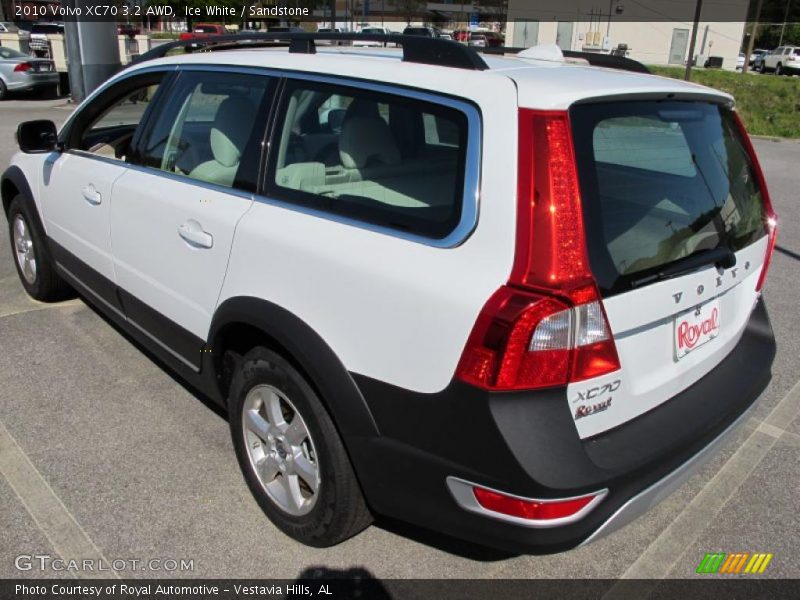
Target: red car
128	29
203	30
490	38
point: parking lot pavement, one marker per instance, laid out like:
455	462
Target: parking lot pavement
104	453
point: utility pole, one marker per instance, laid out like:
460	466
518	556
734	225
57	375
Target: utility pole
783	25
697	10
751	42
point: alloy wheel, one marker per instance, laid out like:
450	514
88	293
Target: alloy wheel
23	249
281	450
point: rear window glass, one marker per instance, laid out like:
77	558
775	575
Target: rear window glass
661	181
381	158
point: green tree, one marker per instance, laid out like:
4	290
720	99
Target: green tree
409	9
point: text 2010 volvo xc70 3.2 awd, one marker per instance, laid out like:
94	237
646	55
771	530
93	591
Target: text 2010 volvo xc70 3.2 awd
514	298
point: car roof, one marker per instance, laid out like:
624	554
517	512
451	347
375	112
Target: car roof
541	84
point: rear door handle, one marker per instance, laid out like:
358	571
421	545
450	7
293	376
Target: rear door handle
91	195
193	233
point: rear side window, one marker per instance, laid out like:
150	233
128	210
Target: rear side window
661	181
385	159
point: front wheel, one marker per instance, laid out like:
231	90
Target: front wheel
3	90
291	455
34	266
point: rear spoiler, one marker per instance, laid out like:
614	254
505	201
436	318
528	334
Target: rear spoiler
594	59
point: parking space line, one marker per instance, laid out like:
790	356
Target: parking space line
665	551
22	311
55	521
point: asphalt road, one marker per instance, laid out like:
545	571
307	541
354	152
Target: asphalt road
104	454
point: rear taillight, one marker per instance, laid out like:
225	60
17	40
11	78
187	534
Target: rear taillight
770	218
22	67
547	327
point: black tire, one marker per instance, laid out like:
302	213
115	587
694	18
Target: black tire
47	285
763	69
340	510
779	69
3	90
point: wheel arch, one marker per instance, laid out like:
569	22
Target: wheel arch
12	183
243	322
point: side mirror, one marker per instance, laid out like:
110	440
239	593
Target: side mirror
36	137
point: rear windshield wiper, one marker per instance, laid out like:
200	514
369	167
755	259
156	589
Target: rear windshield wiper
722	257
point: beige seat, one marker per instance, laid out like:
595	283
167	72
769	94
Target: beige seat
233	123
366	140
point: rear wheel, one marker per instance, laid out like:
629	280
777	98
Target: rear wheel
291	455
34	266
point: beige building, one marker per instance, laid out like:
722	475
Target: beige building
600	25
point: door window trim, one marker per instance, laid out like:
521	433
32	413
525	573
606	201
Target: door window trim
470	201
67	134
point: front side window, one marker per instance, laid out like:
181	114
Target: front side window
106	127
210	129
381	158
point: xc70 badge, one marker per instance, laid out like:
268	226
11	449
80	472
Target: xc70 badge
595	399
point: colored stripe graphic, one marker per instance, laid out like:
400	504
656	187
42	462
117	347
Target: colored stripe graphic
758	563
734	563
711	563
720	562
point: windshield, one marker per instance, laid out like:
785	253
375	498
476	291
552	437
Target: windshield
7	53
661	181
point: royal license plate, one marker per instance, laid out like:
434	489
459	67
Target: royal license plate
696	327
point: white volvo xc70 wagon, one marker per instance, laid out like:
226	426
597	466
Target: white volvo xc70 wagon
513	299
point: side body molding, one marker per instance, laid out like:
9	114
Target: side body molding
326	372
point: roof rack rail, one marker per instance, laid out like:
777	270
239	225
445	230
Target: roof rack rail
416	49
596	60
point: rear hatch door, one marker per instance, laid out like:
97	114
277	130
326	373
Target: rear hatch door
677	236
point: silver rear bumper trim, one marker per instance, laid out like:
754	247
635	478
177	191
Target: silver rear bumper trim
648	498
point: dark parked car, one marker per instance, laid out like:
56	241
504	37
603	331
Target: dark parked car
756	58
420	31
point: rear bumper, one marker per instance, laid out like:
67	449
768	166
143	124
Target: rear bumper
525	443
32	81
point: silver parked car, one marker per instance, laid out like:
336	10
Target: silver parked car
22	73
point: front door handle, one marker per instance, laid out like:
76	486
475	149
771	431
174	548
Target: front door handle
91	195
193	233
